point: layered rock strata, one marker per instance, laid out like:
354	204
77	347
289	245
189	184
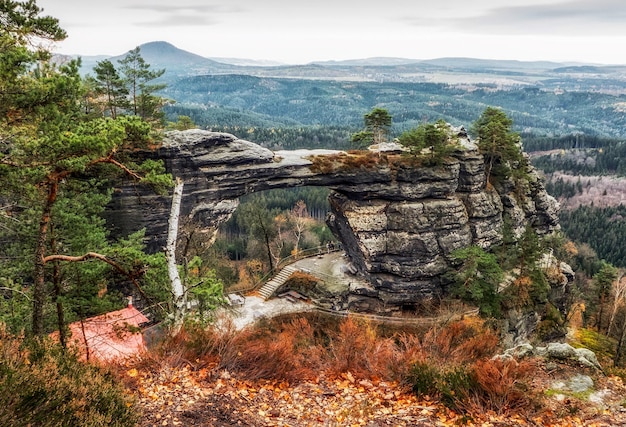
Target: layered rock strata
398	221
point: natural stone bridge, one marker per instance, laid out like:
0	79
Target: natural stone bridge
398	221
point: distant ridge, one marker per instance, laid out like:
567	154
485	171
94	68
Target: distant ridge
376	62
458	62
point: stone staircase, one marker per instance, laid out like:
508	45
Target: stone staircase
268	289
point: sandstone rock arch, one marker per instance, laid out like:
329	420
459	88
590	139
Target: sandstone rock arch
398	221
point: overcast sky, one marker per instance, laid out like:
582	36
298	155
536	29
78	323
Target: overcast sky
300	31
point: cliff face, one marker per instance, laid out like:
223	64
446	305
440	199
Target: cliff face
402	246
398	221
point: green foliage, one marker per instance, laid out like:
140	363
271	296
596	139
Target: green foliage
58	158
182	123
377	126
44	386
15	305
245	101
452	386
23	35
137	77
500	146
595	341
476	276
423	378
149	269
108	85
429	140
362	139
601	288
600	156
323	233
204	287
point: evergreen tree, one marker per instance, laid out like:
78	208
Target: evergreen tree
476	277
602	285
138	77
51	150
429	139
377	126
110	85
500	146
258	221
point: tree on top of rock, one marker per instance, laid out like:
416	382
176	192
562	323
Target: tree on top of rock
377	126
432	140
138	77
500	146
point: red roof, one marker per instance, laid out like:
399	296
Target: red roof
110	336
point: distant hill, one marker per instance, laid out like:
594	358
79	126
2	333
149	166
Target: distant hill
496	63
177	61
376	62
168	53
159	54
248	62
180	63
591	69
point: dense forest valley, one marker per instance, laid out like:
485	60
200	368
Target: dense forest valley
74	133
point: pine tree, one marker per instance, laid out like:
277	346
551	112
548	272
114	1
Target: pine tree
500	146
138	77
110	86
476	276
51	151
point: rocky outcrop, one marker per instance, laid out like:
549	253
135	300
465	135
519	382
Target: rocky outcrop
554	351
398	220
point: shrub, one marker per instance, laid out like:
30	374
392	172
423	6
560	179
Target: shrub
357	348
600	344
42	386
462	341
503	385
424	379
452	386
486	384
288	353
301	282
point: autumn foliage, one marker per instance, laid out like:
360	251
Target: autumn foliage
450	363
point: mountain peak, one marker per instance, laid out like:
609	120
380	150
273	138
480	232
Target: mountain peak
166	51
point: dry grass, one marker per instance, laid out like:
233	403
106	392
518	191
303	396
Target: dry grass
504	386
450	362
353	160
357	348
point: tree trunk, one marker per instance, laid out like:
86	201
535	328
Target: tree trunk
178	290
58	291
619	289
39	279
266	238
620	344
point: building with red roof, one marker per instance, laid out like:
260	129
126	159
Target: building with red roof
110	336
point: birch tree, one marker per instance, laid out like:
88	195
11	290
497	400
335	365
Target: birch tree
179	293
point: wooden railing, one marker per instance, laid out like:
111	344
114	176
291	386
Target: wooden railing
282	263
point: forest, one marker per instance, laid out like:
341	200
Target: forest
318	102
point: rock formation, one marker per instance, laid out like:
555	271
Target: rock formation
398	220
